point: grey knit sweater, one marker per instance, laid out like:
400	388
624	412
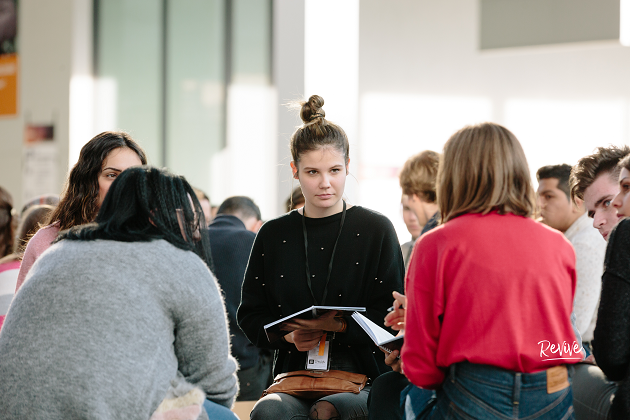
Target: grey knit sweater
100	328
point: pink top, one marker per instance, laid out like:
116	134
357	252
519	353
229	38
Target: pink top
36	247
489	289
8	278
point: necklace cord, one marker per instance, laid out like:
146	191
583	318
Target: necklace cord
332	257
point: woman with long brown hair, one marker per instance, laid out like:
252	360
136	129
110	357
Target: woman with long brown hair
489	292
101	160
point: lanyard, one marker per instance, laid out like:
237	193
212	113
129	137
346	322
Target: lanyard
308	271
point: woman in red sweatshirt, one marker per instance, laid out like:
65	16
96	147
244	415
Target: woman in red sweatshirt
490	292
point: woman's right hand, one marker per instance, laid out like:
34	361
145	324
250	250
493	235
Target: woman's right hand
396	318
304	340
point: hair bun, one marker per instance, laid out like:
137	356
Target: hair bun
312	109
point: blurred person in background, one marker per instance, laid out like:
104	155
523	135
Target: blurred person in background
204	200
413	227
232	234
115	310
30	222
50	199
296	199
101	160
569	217
475	300
8	265
417	181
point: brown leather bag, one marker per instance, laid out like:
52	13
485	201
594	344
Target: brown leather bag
312	385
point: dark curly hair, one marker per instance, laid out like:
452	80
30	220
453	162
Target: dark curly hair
142	205
79	200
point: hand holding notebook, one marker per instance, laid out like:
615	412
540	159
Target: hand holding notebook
278	329
379	335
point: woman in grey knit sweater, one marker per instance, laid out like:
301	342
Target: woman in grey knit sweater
114	309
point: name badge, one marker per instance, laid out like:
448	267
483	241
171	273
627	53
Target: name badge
318	358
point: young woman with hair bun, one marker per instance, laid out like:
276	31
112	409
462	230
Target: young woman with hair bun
352	257
101	160
489	293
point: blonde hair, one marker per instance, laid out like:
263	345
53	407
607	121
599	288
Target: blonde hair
483	168
418	175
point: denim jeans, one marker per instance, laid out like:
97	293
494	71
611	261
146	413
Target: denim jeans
473	391
218	412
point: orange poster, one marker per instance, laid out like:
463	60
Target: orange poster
8	84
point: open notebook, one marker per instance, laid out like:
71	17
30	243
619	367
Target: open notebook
379	335
275	331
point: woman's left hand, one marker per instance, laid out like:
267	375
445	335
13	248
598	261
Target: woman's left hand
327	322
392	360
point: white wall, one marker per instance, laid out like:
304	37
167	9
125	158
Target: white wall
54	45
288	80
422	77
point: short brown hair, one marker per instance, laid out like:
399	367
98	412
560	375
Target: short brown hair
484	168
586	171
418	175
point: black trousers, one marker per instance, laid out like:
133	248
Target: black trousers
384	399
256	379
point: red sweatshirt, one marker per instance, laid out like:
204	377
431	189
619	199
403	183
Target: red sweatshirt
494	290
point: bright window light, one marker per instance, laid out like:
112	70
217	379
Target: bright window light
331	66
247	165
396	126
81	115
554	132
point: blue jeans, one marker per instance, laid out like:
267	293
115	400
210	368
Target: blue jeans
473	391
218	412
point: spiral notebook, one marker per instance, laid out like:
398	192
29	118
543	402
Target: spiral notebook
380	336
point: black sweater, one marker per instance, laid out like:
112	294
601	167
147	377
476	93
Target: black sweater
367	267
611	343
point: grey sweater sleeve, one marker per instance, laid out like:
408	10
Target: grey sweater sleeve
202	343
